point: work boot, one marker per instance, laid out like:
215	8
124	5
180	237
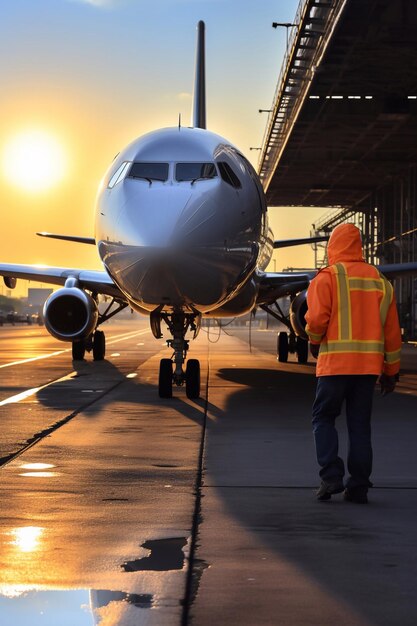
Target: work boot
359	495
327	489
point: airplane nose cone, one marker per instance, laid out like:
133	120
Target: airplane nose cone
170	248
155	276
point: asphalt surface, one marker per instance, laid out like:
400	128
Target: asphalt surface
118	507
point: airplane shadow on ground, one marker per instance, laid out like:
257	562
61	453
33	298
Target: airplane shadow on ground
96	385
260	465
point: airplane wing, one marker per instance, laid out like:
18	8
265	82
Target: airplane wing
287	243
97	281
274	285
88	240
397	270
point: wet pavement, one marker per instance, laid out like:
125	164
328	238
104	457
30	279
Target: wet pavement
119	508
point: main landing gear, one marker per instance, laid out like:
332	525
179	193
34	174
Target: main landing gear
287	343
291	344
171	371
96	342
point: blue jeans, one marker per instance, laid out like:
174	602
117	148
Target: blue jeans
331	392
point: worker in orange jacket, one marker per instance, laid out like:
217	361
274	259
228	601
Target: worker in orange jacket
353	327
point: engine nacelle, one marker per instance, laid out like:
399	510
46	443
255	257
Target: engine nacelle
298	309
239	305
70	314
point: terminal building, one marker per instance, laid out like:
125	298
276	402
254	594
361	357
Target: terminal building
342	129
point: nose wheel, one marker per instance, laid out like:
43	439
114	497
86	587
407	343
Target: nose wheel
171	371
192	379
165	378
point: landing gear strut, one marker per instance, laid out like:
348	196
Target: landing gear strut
96	342
171	371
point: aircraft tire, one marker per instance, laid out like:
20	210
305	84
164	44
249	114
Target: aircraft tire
302	350
192	379
78	350
165	378
99	345
282	347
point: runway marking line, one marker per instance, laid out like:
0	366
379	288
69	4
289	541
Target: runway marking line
118	338
30	392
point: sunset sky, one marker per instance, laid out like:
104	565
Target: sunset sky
82	78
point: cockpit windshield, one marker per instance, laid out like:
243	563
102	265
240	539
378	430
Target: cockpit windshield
149	171
194	171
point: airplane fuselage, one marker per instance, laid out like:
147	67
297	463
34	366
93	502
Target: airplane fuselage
181	223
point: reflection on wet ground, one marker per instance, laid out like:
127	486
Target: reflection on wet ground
165	555
26	539
74	607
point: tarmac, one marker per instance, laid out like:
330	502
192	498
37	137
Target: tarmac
119	508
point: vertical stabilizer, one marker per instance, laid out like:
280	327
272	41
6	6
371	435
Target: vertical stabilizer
199	104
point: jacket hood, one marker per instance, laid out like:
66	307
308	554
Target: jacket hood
345	244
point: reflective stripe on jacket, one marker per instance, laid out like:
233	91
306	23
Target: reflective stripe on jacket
352	312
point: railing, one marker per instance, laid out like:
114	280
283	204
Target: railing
308	39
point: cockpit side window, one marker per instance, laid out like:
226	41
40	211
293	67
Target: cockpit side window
149	171
119	174
194	171
228	175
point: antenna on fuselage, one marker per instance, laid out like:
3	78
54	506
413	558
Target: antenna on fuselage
199	104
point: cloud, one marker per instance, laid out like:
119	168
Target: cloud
184	96
99	3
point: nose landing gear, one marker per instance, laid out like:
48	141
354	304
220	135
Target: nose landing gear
171	371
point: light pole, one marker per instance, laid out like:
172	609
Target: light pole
286	25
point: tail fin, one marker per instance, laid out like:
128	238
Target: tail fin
199	105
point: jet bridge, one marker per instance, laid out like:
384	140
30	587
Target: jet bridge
343	126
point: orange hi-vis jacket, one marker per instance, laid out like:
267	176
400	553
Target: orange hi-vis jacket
352	312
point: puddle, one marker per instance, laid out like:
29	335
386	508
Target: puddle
75	607
164	465
165	555
40	474
102	598
37	466
38	470
26	538
197	573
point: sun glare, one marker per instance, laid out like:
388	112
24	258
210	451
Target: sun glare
34	161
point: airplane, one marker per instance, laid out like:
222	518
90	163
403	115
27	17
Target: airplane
181	228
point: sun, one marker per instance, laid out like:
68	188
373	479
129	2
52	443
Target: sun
34	160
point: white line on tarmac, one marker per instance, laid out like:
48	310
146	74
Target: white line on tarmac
122	337
128	336
34	358
30	392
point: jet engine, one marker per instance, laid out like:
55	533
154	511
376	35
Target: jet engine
298	309
70	314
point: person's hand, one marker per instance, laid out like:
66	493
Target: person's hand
387	383
314	349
